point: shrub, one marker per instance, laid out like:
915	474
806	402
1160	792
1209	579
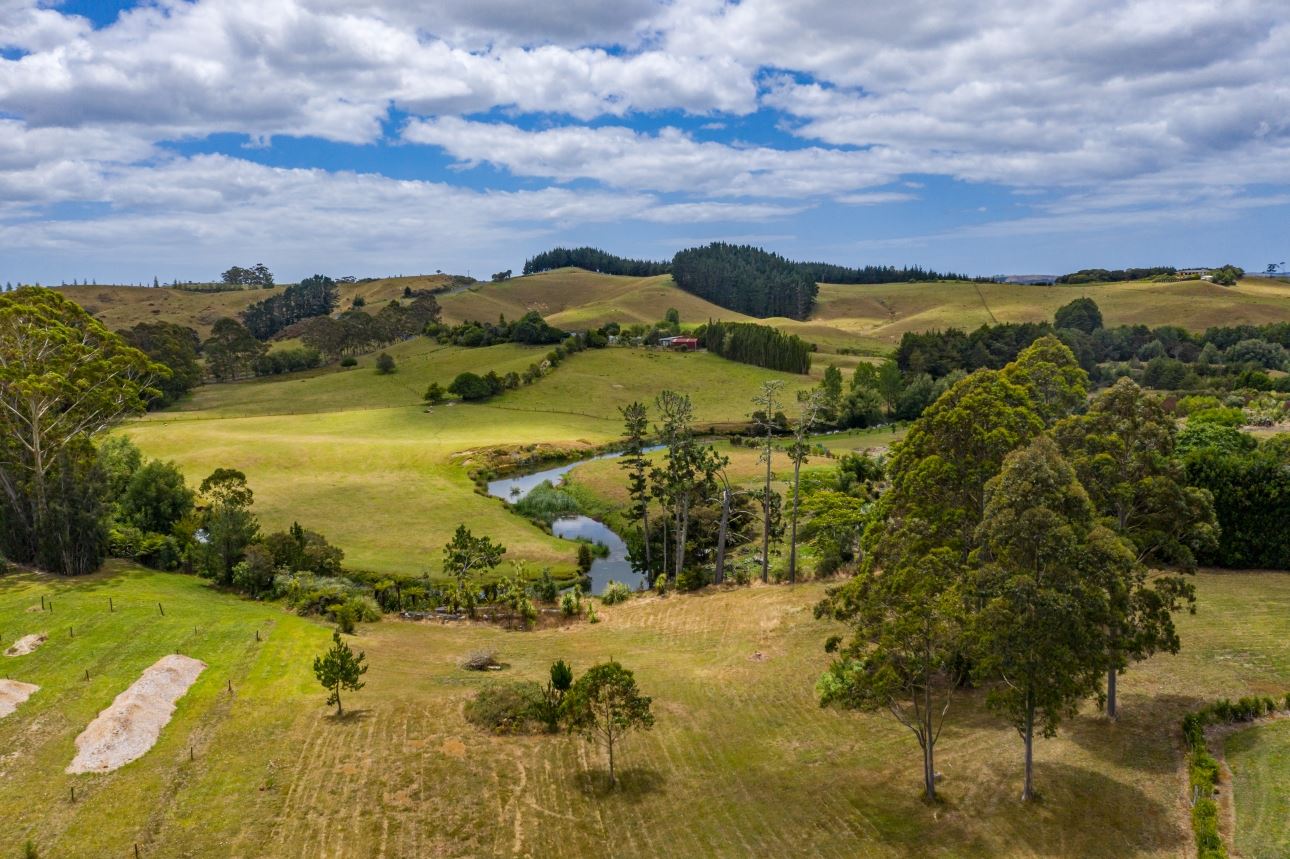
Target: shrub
435	393
481	660
570	604
691	580
506	708
349	361
384	364
592	617
615	592
470	386
584	558
546	589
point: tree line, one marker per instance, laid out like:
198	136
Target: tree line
313	296
746	279
759	345
593	259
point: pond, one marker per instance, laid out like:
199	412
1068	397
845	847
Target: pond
612	567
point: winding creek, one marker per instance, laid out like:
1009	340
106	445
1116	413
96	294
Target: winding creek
615	565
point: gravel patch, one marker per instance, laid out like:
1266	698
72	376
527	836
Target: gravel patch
26	644
13	693
130	727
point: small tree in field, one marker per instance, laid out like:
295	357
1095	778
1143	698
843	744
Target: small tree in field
462	557
435	394
604	705
338	669
384	363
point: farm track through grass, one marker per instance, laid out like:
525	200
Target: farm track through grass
742	761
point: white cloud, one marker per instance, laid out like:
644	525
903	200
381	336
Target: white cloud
669	160
1116	110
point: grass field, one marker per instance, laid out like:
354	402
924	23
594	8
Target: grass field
1259	759
356	456
742	761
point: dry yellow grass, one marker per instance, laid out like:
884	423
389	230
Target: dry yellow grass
742	761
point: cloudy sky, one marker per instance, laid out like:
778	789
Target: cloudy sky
175	138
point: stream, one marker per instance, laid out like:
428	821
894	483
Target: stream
615	565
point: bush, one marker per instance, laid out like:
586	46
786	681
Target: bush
349	361
435	393
470	386
585	559
546	589
507	708
384	364
615	592
481	660
691	580
571	604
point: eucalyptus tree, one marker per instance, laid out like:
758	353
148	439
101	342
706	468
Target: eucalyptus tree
1122	450
64	379
1048	574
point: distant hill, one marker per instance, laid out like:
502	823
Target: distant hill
123	306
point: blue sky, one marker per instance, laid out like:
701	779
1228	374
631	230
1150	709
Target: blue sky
175	138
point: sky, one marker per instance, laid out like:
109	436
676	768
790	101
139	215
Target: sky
173	139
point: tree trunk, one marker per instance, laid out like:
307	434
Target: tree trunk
340	711
792	538
1111	711
645	521
765	509
613	778
720	575
682	527
929	756
1028	737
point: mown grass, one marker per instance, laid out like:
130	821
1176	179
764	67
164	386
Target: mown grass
1259	759
742	761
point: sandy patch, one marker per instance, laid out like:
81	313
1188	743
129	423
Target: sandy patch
125	731
453	748
26	644
13	693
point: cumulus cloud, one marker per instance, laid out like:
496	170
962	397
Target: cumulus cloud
1114	109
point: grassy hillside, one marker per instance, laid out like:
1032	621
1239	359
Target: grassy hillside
356	456
884	312
123	306
578	299
742	761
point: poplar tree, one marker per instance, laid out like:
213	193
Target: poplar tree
767	402
808	413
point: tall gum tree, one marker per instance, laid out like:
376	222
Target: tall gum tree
64	379
1122	450
1045	569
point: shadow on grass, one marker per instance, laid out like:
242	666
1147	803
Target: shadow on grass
633	782
1142	736
358	714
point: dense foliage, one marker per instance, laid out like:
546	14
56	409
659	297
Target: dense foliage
1102	275
257	276
64	379
173	346
759	345
1251	492
746	279
530	329
593	259
313	296
822	272
356	331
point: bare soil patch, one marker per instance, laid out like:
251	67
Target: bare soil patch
26	644
130	727
13	693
